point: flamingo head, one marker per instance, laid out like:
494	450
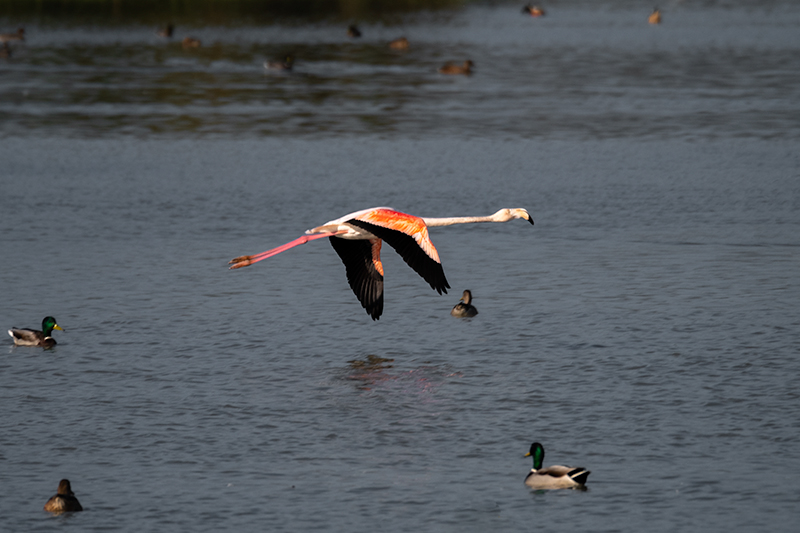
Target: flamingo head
504	215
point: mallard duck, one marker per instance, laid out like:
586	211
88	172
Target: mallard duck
286	64
166	31
553	477
32	337
353	31
464	309
18	36
401	43
191	42
534	11
450	68
64	501
655	17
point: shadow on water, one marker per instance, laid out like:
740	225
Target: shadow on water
375	373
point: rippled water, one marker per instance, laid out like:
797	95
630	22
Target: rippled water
646	327
589	71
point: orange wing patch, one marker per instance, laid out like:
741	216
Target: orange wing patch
376	255
404	223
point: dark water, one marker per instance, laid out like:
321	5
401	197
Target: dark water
646	327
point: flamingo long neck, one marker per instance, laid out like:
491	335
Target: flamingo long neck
449	221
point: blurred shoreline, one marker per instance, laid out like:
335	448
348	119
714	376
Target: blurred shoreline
209	12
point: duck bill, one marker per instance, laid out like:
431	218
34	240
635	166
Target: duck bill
59	328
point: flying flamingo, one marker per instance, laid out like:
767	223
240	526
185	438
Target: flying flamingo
357	238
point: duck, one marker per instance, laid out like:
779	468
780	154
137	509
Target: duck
553	477
64	501
655	17
353	31
450	68
166	31
191	42
401	43
286	64
464	309
18	36
534	11
32	337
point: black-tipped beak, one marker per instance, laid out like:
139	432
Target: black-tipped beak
531	221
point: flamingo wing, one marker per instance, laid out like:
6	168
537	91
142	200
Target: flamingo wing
412	253
362	261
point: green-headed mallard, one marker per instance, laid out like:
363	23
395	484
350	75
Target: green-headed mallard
464	309
553	477
32	337
64	501
450	68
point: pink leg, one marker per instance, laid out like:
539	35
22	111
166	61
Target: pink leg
247	260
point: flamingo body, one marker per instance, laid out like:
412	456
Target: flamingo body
357	238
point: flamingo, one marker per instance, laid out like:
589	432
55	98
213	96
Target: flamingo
357	238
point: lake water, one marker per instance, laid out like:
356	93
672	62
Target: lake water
646	327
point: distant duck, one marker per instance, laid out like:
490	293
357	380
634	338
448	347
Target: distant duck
191	42
655	17
553	477
166	31
18	36
534	11
450	68
32	337
64	501
464	309
400	43
353	32
286	64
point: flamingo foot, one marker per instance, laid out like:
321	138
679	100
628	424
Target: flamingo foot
241	261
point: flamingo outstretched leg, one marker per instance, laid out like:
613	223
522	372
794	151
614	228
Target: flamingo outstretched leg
247	260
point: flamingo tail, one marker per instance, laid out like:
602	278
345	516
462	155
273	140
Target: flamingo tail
247	260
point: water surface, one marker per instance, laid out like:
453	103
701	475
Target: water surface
646	327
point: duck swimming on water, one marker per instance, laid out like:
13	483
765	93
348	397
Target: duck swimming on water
451	68
553	477
286	64
655	16
464	309
64	501
401	43
32	337
19	35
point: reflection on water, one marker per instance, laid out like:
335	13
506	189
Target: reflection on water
564	75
